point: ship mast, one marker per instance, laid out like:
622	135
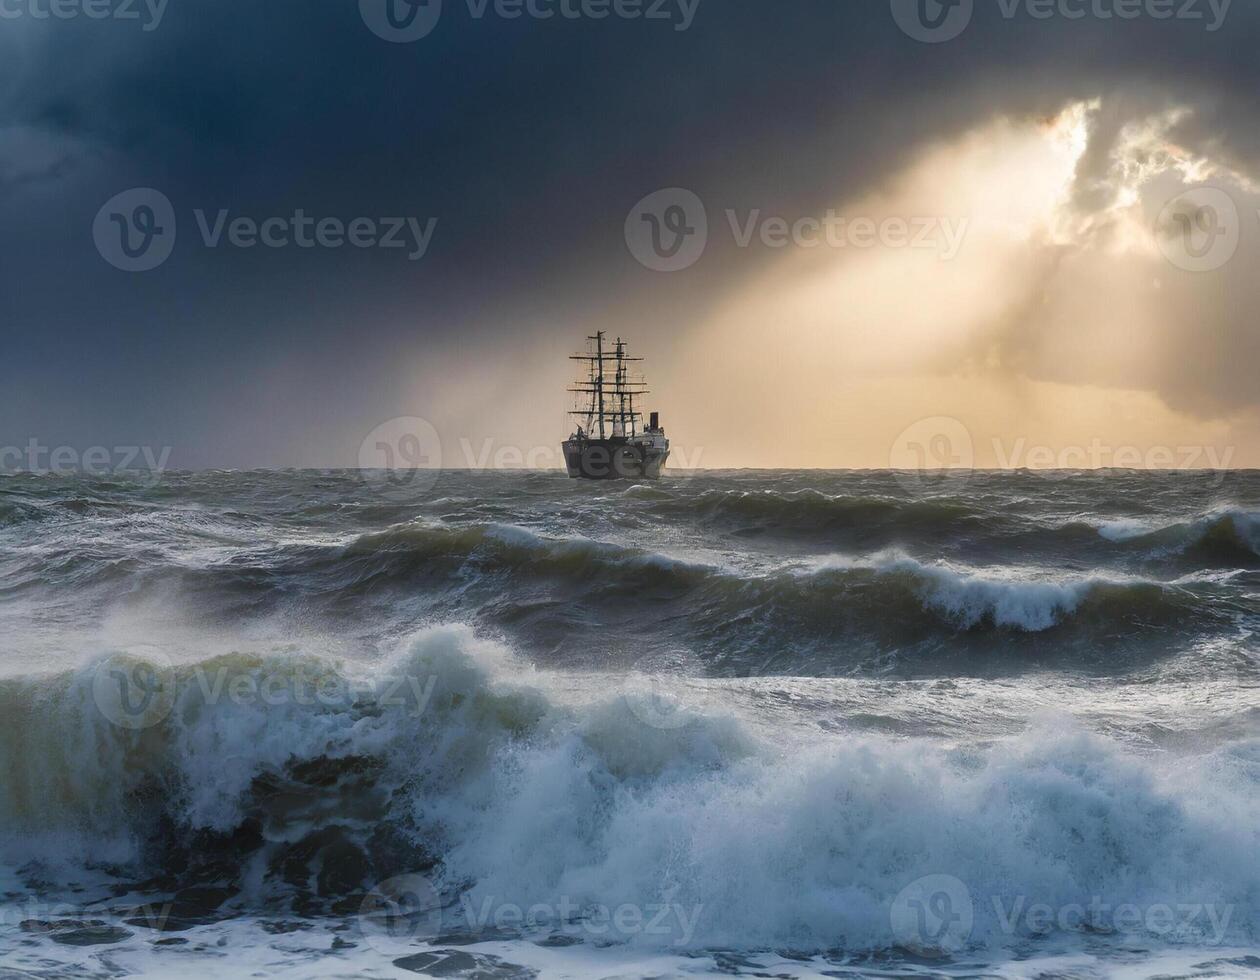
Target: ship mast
599	377
621	412
621	385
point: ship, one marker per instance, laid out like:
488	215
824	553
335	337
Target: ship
611	442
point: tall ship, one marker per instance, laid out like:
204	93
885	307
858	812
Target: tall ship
611	442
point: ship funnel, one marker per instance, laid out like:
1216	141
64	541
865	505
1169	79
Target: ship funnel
656	421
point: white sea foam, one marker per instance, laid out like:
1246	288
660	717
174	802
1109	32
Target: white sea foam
1244	523
1008	597
1125	530
1023	604
527	799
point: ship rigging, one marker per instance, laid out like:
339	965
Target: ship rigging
611	441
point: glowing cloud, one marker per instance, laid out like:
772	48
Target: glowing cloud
1071	287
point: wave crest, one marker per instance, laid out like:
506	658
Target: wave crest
1227	538
502	792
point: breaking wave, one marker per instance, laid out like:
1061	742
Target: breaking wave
960	598
500	791
1218	539
816	509
505	547
1002	599
816	616
1222	538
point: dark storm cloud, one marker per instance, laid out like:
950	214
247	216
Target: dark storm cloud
528	139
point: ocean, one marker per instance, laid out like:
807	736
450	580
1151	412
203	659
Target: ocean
751	723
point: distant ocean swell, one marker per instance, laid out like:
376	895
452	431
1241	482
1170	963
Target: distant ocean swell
1223	535
968	597
934	595
500	791
808	713
816	615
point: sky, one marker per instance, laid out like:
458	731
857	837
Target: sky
843	233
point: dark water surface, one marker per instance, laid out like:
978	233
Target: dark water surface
764	723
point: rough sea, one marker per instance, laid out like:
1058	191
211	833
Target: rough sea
500	725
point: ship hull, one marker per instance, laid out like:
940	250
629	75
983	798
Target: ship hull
613	459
